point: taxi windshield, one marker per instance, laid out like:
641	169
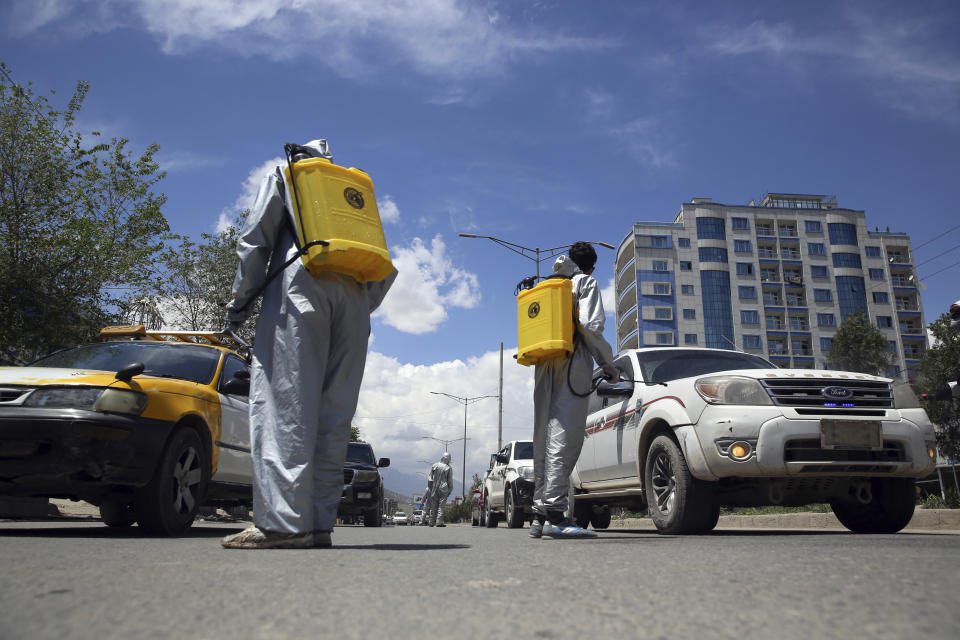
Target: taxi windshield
184	362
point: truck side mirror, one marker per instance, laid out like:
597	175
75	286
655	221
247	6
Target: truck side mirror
503	458
615	389
383	462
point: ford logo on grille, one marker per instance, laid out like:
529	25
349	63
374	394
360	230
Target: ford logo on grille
837	393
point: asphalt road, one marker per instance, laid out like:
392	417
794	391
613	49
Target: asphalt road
70	579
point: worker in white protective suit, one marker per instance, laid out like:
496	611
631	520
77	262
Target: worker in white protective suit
308	360
441	479
425	505
562	385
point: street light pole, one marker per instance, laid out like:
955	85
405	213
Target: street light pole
464	402
520	249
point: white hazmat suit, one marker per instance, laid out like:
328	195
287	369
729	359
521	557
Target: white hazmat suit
308	360
560	416
441	480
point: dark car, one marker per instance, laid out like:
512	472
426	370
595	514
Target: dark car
362	485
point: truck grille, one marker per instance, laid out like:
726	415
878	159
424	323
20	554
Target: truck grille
347	476
809	450
867	397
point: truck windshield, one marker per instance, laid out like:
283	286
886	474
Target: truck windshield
523	451
186	362
666	365
362	453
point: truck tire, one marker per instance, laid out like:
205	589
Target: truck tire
168	503
582	511
372	518
889	509
600	518
514	514
677	502
490	518
116	514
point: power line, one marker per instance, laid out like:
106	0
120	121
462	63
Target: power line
938	255
937	237
950	266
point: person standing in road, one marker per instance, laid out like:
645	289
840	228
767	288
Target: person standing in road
308	360
560	411
425	503
441	480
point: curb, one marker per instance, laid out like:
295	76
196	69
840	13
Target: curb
923	520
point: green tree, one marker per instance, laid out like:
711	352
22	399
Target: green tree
940	365
80	225
859	346
355	434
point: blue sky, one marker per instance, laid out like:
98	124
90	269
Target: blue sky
541	123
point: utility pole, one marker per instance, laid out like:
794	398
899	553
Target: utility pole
500	414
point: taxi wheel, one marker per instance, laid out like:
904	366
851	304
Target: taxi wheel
168	504
117	514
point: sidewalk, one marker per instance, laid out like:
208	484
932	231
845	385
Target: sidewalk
923	520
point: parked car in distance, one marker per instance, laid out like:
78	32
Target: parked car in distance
690	429
508	486
400	518
476	506
147	425
362	484
417	516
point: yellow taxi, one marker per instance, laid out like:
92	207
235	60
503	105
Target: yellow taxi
148	425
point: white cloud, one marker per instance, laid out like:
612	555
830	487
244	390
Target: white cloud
609	298
428	285
398	414
644	139
389	212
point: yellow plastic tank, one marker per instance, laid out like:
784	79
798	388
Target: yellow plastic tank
545	321
337	205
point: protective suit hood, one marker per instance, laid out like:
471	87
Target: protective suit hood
564	266
318	148
445	458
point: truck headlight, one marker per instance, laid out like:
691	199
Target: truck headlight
732	390
526	473
89	399
365	475
904	397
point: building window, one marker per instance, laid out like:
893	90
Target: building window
686	265
752	342
796	300
683	242
658	242
747	293
744	268
799	323
822	295
851	295
749	317
712	254
816	249
842	233
819	272
740	224
690	338
659	265
812	226
872	252
664	338
878	274
716	310
663	313
661	288
825	344
848	260
881	297
686	289
711	229
742	246
689	314
826	320
885	322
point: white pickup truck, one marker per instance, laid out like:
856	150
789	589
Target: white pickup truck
692	429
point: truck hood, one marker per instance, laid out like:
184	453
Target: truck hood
760	374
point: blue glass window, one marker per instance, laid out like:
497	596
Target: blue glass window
851	295
683	242
812	226
818	271
742	246
689	314
885	322
690	338
744	268
663	313
822	295
664	338
825	344
717	314
872	252
842	233
686	289
686	265
752	342
826	320
658	242
749	317
747	293
712	254
878	274
711	229
740	224
816	249
881	297
659	265
851	260
661	289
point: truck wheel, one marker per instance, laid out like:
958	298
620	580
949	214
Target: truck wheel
581	513
116	514
886	509
372	518
678	502
600	519
168	504
513	514
489	517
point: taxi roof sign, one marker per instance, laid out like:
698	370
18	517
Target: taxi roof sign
139	332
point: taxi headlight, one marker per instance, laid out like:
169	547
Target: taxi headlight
732	390
904	397
89	399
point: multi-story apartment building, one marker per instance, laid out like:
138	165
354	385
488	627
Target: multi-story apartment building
775	278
